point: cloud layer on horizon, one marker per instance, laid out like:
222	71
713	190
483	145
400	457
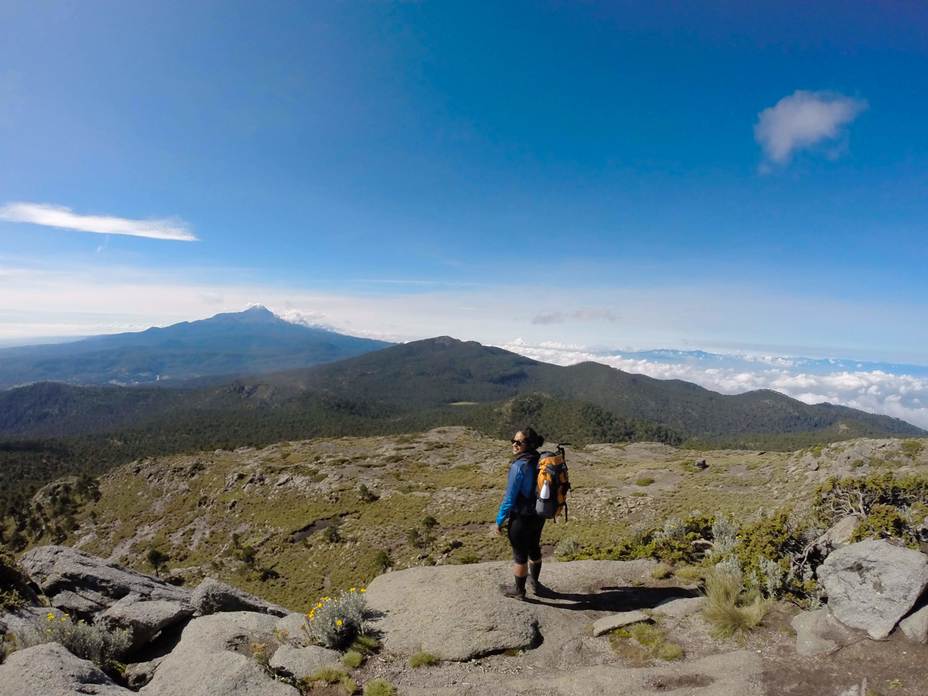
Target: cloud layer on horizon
902	396
802	120
64	218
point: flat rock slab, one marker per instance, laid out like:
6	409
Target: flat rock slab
625	618
291	629
730	674
302	662
819	633
459	612
206	663
87	583
873	584
454	612
915	626
50	670
678	608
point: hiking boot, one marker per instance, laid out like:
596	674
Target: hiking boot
536	588
516	590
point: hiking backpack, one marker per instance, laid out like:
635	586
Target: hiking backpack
552	484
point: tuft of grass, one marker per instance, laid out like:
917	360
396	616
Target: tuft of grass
689	573
327	675
641	643
730	610
379	687
348	685
423	659
352	659
365	644
661	571
644	481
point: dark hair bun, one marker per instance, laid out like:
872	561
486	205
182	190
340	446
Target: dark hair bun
533	439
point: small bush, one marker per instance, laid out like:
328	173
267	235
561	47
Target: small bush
92	642
644	481
423	659
335	622
567	549
728	608
382	561
912	448
331	534
352	659
379	687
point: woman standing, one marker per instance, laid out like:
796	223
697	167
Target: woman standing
518	507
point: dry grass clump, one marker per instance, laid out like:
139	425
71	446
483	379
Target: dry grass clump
331	676
352	659
423	659
729	609
644	481
379	687
661	571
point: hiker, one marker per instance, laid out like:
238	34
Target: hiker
518	508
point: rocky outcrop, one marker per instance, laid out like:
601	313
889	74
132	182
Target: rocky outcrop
80	583
215	658
873	584
50	670
212	596
144	619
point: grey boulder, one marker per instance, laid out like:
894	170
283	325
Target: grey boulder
290	629
50	670
215	658
83	583
144	619
873	584
819	633
302	662
212	596
915	626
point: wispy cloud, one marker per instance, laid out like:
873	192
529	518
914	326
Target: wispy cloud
66	219
577	315
803	120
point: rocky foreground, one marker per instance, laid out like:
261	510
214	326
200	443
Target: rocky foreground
214	639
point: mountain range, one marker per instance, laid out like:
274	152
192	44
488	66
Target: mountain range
240	343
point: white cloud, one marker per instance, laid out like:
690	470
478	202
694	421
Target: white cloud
875	391
65	218
802	120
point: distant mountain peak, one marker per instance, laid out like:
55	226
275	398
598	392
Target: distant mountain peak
253	315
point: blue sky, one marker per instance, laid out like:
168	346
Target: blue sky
730	176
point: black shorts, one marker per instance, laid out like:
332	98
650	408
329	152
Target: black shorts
525	537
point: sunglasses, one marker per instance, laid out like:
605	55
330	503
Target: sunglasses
517	442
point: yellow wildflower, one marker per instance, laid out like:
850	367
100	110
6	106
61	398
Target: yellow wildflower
363	589
339	622
50	616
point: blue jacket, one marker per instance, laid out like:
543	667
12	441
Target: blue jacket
520	488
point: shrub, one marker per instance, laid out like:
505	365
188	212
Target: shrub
912	448
729	609
382	561
335	622
352	659
366	494
567	549
724	536
331	534
92	642
423	659
379	687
